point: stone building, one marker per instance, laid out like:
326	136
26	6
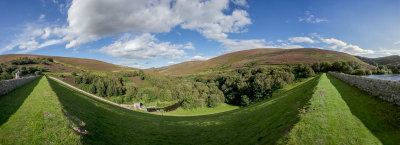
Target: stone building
18	75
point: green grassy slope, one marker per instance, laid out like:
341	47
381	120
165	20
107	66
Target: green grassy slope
32	114
45	112
263	123
341	114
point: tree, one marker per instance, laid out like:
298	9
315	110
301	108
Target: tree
244	100
73	74
38	73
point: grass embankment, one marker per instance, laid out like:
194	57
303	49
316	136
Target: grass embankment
33	114
201	111
341	114
263	123
337	113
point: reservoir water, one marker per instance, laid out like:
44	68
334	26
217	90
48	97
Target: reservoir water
393	77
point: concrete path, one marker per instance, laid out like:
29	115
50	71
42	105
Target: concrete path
91	95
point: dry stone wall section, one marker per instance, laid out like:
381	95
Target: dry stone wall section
9	85
384	89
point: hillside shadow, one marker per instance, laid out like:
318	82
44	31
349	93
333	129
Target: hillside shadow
104	124
12	101
263	123
380	117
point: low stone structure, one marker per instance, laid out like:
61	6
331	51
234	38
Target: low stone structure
9	85
385	89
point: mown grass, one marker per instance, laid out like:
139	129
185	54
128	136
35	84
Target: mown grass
40	119
32	114
36	114
341	114
200	111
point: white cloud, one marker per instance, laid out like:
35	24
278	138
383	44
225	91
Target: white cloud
130	64
154	16
91	20
355	50
310	18
242	3
198	57
301	40
189	46
236	45
344	47
396	43
334	41
145	46
171	62
42	16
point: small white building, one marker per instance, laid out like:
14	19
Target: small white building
18	75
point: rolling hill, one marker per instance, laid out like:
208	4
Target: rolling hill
67	63
387	60
260	57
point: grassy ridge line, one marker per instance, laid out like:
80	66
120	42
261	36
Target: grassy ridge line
89	94
341	114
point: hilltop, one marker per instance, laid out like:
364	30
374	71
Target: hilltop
387	60
68	63
266	56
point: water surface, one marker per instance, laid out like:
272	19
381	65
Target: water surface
393	77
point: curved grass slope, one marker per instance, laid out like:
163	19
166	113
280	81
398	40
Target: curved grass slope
263	123
44	112
33	114
342	114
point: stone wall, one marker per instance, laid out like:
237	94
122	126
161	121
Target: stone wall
384	89
9	85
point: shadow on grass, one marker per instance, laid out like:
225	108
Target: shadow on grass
10	103
380	117
263	123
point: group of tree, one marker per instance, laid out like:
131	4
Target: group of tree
101	85
7	71
244	86
27	60
347	67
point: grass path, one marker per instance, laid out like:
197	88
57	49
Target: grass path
32	114
330	117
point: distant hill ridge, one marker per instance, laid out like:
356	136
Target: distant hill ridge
82	62
393	60
264	56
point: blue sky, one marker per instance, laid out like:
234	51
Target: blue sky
153	33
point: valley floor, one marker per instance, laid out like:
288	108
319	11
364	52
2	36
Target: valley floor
320	110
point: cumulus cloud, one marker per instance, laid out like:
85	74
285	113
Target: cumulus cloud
145	46
198	57
356	50
344	47
242	3
334	41
236	45
189	46
310	18
91	20
301	40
